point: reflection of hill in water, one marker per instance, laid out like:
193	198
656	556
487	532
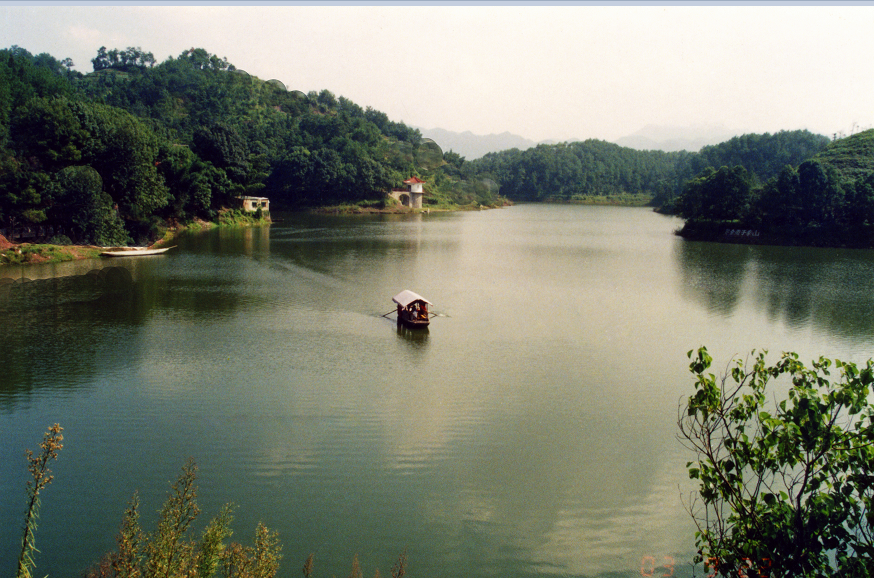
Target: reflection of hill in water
832	289
66	330
713	274
24	294
55	326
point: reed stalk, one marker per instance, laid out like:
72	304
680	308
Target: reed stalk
42	477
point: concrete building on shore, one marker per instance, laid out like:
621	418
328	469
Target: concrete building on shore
411	195
254	203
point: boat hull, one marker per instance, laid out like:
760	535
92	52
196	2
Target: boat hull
411	323
414	324
134	252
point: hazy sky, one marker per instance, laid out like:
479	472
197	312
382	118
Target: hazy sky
542	72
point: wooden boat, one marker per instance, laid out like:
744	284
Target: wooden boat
133	251
412	309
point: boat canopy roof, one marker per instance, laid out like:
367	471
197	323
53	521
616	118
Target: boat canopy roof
405	297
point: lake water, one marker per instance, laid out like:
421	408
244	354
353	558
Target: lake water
531	431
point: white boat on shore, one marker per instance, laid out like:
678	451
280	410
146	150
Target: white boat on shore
133	251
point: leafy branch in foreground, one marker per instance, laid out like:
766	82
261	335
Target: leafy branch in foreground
785	489
42	477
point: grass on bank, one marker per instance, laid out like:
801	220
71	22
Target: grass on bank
393	207
624	199
31	253
45	253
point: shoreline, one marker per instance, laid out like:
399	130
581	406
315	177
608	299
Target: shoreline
735	234
398	210
45	253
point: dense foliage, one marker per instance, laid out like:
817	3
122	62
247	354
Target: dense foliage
580	170
105	158
108	157
763	155
827	199
785	487
570	171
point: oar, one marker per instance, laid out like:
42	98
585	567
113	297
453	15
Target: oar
389	313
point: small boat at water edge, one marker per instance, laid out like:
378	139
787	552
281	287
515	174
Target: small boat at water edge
133	251
412	309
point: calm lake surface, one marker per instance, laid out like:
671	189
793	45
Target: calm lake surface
531	431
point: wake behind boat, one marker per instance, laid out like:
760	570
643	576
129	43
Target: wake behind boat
133	251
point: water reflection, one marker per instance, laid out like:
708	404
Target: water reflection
417	338
530	431
713	274
798	286
61	330
248	241
828	288
55	327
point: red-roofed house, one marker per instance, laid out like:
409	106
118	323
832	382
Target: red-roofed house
411	196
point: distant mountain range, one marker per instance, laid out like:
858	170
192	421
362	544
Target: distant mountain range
675	138
472	146
651	137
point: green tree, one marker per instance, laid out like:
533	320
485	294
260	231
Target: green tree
717	195
327	99
86	209
191	181
223	146
21	194
289	182
126	156
204	60
785	489
127	60
819	193
50	131
777	203
861	202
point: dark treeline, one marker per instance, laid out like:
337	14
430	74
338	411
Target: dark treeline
106	157
825	200
763	155
574	171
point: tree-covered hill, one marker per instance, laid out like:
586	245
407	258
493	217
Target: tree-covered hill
106	157
568	172
852	157
826	200
763	155
575	171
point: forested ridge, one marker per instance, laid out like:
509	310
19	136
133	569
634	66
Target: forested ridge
790	187
826	200
107	157
593	168
573	171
